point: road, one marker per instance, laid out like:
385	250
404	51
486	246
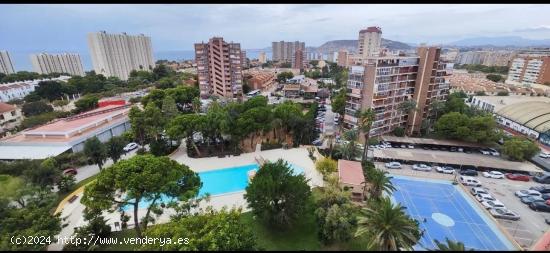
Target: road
91	170
543	162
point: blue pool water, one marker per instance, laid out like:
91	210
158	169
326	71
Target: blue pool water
222	181
448	213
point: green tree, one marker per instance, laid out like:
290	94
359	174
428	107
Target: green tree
196	104
520	148
35	108
338	102
277	196
326	166
379	182
86	103
50	90
169	108
502	93
388	227
96	151
407	106
115	147
142	178
66	183
207	231
366	118
138	125
494	78
450	245
399	131
283	76
45	176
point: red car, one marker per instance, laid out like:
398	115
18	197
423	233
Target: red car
518	177
70	171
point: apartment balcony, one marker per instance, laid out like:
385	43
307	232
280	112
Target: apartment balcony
350	119
354	93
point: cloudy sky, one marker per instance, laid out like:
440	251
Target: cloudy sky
55	28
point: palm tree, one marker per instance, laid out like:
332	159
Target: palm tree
366	118
387	226
379	183
349	150
450	245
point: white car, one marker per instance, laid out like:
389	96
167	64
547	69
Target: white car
544	155
444	169
492	204
485	197
525	193
421	167
493	152
485	152
460	150
410	146
130	146
493	174
469	181
393	165
478	190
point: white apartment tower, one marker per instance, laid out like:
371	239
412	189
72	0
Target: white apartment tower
369	42
262	58
57	63
6	65
119	54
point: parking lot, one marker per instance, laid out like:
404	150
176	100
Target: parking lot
525	231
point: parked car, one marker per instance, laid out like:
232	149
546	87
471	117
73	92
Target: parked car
403	146
410	146
425	147
485	152
530	199
444	169
421	167
492	204
525	193
478	190
547	220
540	206
130	146
393	165
544	155
517	177
453	149
70	171
470	181
469	172
460	150
503	213
485	197
541	188
544	179
493	174
545	196
493	152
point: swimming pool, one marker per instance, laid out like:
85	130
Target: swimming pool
444	210
223	181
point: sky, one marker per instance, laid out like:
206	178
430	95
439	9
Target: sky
63	28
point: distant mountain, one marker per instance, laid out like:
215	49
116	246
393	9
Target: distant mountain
504	41
351	45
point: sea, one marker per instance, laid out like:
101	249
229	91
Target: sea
22	59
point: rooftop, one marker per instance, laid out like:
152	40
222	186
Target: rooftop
6	107
502	101
350	172
533	114
412	140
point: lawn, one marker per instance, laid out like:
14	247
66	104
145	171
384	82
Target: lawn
9	185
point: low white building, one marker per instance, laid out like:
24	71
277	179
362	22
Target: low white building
17	90
10	117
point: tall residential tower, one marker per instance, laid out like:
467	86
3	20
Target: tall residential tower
369	42
57	63
219	67
119	54
6	65
284	51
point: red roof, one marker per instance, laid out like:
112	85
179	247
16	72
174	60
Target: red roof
6	107
372	29
350	172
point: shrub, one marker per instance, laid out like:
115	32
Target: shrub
398	131
326	166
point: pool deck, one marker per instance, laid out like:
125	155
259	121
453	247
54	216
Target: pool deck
297	156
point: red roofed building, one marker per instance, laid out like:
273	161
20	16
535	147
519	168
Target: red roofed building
10	117
350	176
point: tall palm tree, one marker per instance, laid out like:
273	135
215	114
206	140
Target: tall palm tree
379	183
349	150
387	226
450	245
366	118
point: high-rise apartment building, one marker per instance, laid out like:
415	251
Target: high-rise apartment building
342	59
262	57
384	83
528	70
299	61
219	68
57	63
369	42
119	54
284	51
6	65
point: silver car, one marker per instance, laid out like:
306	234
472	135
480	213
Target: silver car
421	167
503	213
393	165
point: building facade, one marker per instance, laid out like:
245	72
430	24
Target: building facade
10	117
384	83
529	70
17	90
118	54
57	63
369	42
219	68
342	59
262	58
299	60
487	58
284	51
6	64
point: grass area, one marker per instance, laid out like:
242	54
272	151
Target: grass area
9	185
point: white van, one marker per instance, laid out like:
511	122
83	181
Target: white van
469	181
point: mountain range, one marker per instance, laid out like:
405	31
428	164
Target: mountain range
502	41
351	45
